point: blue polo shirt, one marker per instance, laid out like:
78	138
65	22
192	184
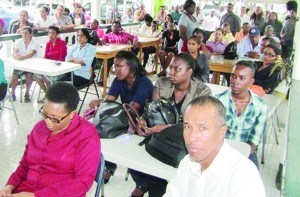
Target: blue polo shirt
140	91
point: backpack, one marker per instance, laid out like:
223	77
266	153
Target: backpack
230	51
168	146
94	37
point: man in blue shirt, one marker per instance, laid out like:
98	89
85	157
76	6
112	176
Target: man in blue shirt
247	114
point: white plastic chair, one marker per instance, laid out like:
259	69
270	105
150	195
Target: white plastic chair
8	72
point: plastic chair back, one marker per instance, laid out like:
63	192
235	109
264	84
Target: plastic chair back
100	175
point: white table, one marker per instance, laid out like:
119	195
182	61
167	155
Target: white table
44	66
125	151
273	103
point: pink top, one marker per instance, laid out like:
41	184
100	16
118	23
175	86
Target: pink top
100	32
121	38
58	51
61	165
2	23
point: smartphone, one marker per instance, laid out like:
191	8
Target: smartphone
90	113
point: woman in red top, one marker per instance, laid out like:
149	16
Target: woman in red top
62	153
56	49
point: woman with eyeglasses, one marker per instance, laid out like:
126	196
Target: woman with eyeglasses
82	53
267	71
62	153
56	49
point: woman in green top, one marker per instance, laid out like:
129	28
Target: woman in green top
3	82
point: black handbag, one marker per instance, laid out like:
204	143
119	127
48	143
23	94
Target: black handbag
111	119
167	146
161	111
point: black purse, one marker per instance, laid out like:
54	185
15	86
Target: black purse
161	111
111	119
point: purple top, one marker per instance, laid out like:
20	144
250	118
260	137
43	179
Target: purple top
217	47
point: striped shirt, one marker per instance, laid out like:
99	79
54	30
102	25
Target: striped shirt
249	126
121	38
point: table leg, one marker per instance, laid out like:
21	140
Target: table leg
217	78
156	58
104	77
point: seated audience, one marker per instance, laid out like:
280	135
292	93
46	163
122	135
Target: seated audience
3	82
267	71
77	16
227	35
201	71
218	45
212	167
176	14
275	23
257	19
82	53
161	15
43	21
127	18
183	88
62	21
117	37
56	49
246	113
249	46
139	14
95	27
62	154
17	26
152	33
200	34
265	42
133	87
170	38
244	33
24	48
166	23
118	20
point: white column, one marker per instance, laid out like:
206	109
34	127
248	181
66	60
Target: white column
95	9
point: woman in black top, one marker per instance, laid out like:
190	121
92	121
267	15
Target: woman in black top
258	20
170	37
276	24
267	72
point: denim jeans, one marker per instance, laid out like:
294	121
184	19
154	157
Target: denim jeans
139	178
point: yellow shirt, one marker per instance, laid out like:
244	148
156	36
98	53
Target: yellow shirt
227	38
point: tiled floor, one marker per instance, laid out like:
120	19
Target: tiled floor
13	140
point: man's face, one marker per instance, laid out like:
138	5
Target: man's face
241	79
176	8
226	30
246	28
212	13
122	69
218	35
254	39
154	26
179	71
203	135
115	28
128	12
94	26
263	45
162	9
229	8
243	10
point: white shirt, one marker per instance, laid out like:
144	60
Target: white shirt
245	46
200	18
20	45
144	28
245	19
151	34
48	22
211	23
229	175
273	37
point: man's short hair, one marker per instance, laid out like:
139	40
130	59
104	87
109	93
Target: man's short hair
245	23
148	18
247	64
210	101
190	61
292	5
96	22
63	93
29	29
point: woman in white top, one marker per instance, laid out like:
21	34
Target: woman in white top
187	24
43	21
24	48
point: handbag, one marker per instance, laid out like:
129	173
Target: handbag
161	111
110	119
167	146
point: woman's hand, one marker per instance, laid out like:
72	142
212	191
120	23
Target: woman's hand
95	103
6	191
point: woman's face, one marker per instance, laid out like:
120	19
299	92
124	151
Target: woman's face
191	9
122	69
81	38
258	10
26	35
78	10
23	17
60	10
273	17
269	32
56	111
193	46
43	12
169	18
218	35
52	34
179	71
269	55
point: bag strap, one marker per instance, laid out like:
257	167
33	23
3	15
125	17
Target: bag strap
164	115
133	117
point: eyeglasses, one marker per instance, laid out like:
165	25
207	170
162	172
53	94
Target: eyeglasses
270	55
54	120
